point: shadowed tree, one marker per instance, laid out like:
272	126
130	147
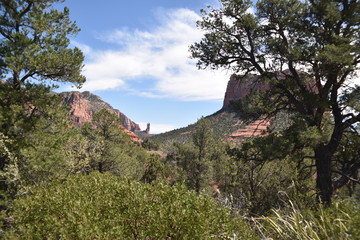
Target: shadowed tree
309	54
34	53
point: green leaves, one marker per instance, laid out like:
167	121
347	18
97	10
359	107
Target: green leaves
10	179
307	53
34	43
100	206
111	148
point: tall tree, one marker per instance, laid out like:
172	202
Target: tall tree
113	150
309	53
203	140
34	53
197	159
34	43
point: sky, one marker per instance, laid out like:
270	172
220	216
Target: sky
137	60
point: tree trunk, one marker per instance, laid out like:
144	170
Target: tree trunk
323	181
197	178
100	167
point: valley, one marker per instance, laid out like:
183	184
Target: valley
278	159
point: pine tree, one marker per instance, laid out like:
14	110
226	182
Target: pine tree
308	52
34	54
34	43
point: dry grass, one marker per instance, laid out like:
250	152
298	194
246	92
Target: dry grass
320	224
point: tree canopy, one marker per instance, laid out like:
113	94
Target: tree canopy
34	43
35	52
309	54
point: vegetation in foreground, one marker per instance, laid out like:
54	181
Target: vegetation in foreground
101	206
340	221
298	182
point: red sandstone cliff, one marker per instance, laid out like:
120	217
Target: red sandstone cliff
238	87
83	105
227	122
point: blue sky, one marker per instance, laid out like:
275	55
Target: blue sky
137	59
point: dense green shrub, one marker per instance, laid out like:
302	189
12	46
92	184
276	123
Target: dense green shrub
150	145
100	206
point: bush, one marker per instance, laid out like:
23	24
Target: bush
100	206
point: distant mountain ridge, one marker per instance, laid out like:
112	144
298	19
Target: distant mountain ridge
226	123
82	106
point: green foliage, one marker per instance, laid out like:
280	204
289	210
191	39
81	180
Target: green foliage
202	161
202	166
35	124
150	145
9	174
53	154
34	50
307	54
21	109
341	221
223	123
34	43
112	147
42	151
100	206
155	169
193	172
255	187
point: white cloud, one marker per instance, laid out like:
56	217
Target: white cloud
148	95
161	54
156	128
84	48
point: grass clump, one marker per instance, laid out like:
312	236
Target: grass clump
340	221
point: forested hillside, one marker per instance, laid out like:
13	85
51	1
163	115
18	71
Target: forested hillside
224	177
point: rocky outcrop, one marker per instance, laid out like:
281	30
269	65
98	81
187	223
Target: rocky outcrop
78	107
134	137
83	105
253	129
239	87
147	131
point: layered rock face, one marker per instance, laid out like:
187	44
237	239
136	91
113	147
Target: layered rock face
83	105
238	87
253	129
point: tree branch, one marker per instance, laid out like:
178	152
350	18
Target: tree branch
346	176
